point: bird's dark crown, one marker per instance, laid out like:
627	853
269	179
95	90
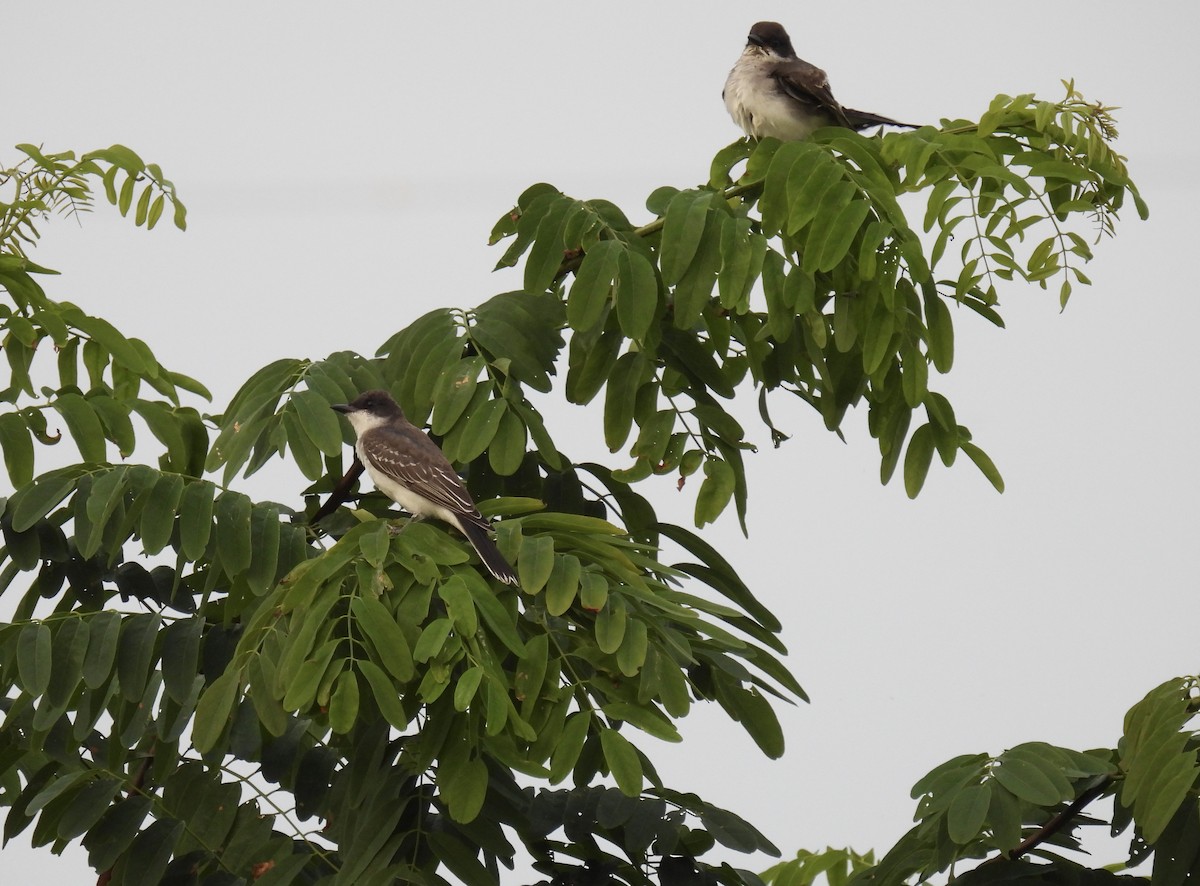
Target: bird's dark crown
771	35
376	403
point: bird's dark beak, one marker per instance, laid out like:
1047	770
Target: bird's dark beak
755	39
341	407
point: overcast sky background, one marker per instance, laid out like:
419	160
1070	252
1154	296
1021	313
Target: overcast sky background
343	164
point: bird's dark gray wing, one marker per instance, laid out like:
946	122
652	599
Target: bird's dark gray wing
865	119
808	85
414	461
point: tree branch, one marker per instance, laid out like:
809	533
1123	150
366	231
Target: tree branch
339	494
1058	822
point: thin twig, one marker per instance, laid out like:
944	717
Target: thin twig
1057	823
340	493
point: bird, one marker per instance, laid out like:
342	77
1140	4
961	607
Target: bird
412	471
771	92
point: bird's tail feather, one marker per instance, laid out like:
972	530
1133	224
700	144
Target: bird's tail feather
488	552
865	119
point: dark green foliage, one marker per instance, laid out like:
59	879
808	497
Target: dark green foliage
359	698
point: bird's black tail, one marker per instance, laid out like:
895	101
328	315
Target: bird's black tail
488	552
865	120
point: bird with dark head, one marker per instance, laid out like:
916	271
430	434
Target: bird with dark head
411	470
772	93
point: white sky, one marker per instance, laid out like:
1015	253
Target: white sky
339	159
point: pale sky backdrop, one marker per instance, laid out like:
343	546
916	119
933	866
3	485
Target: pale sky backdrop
346	160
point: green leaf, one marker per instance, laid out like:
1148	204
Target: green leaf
343	705
715	491
620	398
506	452
841	233
105	334
683	229
632	653
792	159
385	635
118	826
265	534
982	461
54	789
180	657
158	516
636	294
106	494
384	692
546	255
233	532
214	709
454	391
610	625
17	442
495	615
464	788
103	634
570	745
83	425
531	669
526	331
876	345
623	762
35	501
87	807
648	719
135	652
260	677
464	689
459	605
1027	781
941	332
432	639
156	209
563	582
754	712
694	289
917	459
593	283
479	430
319	422
195	519
736	833
34	658
149	853
535	562
593	592
968	811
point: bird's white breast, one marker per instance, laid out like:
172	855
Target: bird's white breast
415	504
760	109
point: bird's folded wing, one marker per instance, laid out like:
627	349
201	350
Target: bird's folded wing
428	474
808	85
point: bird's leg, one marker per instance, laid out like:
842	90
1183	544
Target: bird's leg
396	530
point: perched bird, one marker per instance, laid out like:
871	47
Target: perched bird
409	469
771	92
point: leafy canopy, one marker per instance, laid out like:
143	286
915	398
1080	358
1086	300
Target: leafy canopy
206	688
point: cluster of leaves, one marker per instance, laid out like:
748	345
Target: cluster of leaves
852	308
1030	799
837	866
100	374
324	668
42	185
368	670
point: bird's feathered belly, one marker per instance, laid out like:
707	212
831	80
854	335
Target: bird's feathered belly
412	502
762	111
